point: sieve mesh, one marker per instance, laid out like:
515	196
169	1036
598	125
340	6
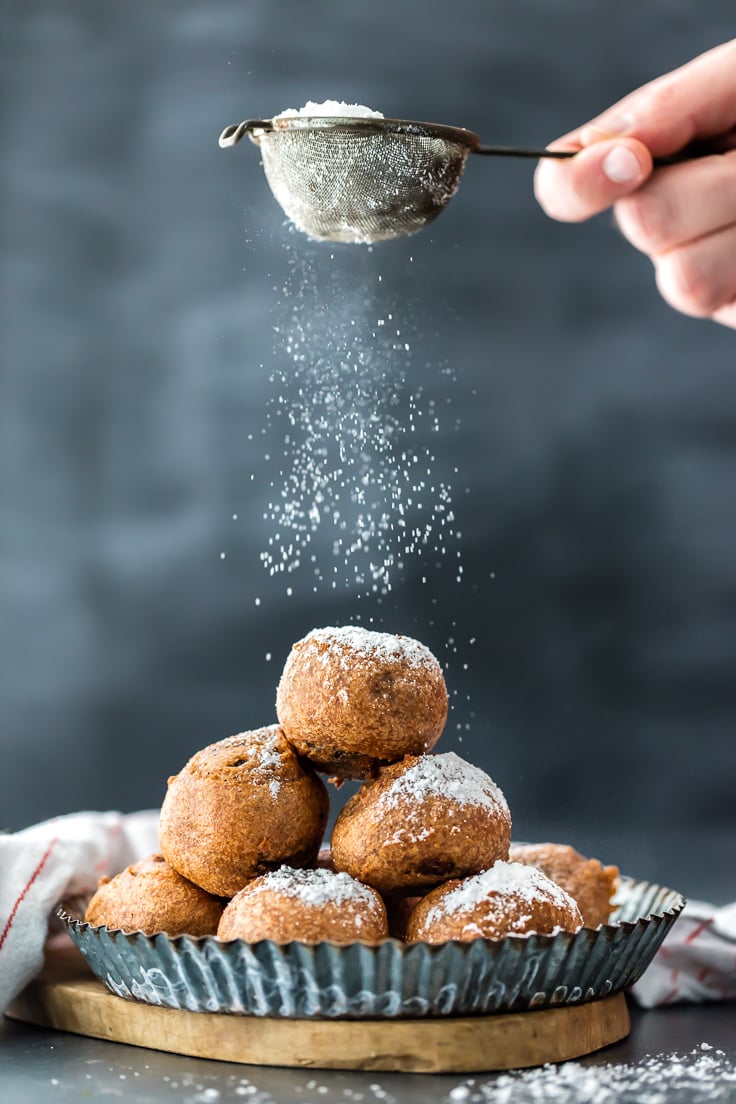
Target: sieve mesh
361	181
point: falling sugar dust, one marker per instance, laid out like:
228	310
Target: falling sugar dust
354	487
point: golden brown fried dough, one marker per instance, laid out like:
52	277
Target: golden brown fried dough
310	906
150	896
241	807
423	821
508	899
351	700
587	881
398	910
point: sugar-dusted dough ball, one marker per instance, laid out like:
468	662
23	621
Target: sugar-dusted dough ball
151	897
508	899
241	807
587	881
423	821
309	906
351	699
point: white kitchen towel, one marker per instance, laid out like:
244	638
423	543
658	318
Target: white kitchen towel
66	856
63	857
696	962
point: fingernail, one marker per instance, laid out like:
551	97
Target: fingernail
621	166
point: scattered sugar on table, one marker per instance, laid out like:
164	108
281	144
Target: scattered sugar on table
704	1076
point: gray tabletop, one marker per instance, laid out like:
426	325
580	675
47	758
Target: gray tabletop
679	1054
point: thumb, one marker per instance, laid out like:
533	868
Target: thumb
577	188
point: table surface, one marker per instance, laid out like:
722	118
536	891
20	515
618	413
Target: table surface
44	1066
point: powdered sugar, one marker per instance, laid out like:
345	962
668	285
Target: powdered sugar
508	879
351	643
447	776
351	436
269	748
406	835
330	109
317	888
269	758
264	748
694	1078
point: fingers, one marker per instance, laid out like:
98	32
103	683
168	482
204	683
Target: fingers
684	215
680	204
593	180
726	315
697	101
684	218
699	278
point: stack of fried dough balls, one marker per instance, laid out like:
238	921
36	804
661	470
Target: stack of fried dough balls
421	851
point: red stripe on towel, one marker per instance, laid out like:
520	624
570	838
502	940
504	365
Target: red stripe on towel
672	995
703	926
24	891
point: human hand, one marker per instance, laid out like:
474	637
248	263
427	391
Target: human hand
684	215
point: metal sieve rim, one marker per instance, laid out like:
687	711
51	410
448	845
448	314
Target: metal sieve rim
256	128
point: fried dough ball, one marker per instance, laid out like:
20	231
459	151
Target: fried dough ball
587	881
149	896
423	821
508	899
241	807
309	906
351	700
398	910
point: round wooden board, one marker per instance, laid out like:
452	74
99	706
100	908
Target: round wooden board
68	997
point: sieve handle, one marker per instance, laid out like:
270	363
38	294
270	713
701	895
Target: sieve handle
515	151
232	134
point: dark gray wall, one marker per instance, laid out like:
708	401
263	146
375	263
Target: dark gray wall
589	432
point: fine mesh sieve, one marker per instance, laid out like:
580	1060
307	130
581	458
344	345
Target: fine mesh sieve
363	179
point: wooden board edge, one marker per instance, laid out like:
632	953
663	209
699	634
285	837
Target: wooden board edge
82	1005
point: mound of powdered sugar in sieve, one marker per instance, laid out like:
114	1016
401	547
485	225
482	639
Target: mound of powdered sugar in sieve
330	108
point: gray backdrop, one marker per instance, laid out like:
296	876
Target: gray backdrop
588	432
